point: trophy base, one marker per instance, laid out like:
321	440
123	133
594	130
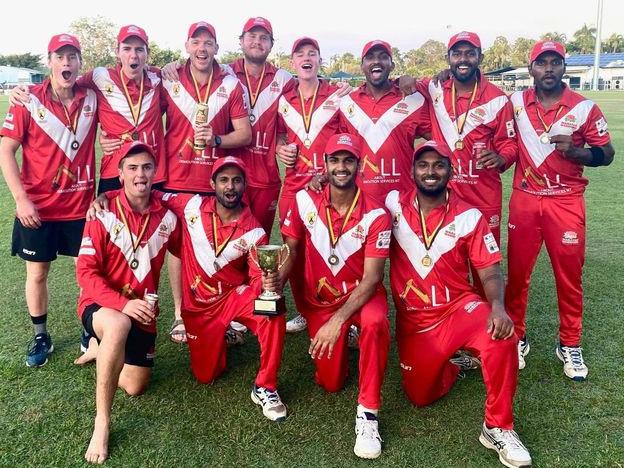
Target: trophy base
270	308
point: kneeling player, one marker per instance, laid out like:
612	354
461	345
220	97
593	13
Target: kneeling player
436	236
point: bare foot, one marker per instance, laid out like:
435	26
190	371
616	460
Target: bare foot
97	452
90	355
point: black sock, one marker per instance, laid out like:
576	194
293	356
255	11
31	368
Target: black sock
39	323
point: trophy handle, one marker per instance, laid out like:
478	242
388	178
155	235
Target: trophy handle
254	259
284	258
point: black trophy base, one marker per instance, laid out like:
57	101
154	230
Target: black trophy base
270	308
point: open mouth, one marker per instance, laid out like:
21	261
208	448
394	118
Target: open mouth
306	66
141	186
66	74
342	175
463	68
230	196
201	57
134	66
376	71
431	180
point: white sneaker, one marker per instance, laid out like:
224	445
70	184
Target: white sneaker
272	406
367	438
234	337
511	451
523	350
573	364
465	361
296	324
353	340
239	327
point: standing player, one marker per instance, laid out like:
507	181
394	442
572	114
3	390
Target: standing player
121	255
387	121
308	116
344	235
201	83
547	205
56	131
436	236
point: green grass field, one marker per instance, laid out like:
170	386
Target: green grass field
46	414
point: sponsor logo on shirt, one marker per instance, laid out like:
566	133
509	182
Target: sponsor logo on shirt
310	218
86	242
570	237
383	240
569	122
477	115
8	125
241	245
275	87
358	233
406	367
450	230
222	92
601	126
87	111
401	108
490	243
472	305
241	289
330	105
163	230
494	221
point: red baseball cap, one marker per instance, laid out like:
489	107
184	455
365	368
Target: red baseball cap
201	25
135	147
305	40
62	40
441	148
344	142
547	46
132	30
258	22
376	43
464	36
228	161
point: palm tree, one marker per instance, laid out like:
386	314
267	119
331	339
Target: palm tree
584	40
615	43
554	36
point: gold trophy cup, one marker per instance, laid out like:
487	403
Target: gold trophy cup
269	258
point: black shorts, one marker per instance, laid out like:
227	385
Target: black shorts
190	192
44	243
140	345
112	184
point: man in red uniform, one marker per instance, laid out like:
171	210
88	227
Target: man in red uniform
128	98
475	119
387	121
554	126
201	83
120	258
344	235
220	282
435	237
56	131
308	116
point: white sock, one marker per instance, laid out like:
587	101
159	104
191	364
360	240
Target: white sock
361	409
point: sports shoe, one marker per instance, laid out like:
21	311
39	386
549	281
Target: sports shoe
573	364
296	324
523	350
353	340
38	350
367	438
238	326
511	451
234	337
272	406
465	361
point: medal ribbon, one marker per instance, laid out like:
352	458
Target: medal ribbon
124	220
548	127
429	238
307	116
207	94
463	117
135	109
333	239
72	126
219	248
253	95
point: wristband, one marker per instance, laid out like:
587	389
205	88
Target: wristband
597	156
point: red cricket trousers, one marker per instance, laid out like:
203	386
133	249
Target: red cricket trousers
428	375
263	203
372	320
558	222
206	338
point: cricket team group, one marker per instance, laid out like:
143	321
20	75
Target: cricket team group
357	191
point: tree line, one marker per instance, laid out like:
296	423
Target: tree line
97	36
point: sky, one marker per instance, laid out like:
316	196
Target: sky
339	26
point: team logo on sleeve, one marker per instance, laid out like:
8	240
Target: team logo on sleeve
9	117
383	240
601	126
490	243
287	219
518	110
511	131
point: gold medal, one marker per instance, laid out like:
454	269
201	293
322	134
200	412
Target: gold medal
134	264
253	95
459	145
544	138
460	120
429	238
307	143
333	239
333	260
135	108
307	115
426	261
